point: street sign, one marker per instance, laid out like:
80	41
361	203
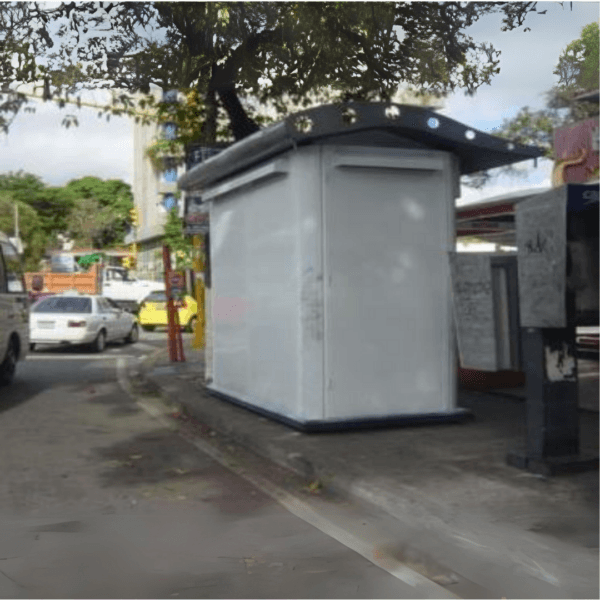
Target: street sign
196	218
197	223
177	283
195	230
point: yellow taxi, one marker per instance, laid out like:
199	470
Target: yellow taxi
153	312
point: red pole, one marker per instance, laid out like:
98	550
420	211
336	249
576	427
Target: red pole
179	338
170	308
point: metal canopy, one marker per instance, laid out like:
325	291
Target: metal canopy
493	220
371	124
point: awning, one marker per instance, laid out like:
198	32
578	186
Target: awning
493	220
372	124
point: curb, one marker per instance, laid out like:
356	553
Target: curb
412	509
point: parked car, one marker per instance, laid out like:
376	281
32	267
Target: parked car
72	318
14	311
153	312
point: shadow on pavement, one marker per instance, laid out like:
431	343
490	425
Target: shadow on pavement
163	457
20	391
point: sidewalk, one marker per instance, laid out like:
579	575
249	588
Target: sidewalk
448	483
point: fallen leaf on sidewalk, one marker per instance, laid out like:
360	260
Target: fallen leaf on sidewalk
181	471
445	579
135	456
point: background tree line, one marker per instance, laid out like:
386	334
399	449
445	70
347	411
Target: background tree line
89	211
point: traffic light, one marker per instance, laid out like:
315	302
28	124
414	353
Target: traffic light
133	217
126	262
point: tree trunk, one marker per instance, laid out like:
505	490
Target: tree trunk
209	130
222	82
241	124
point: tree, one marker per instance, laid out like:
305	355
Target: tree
227	52
21	185
57	206
88	221
578	66
114	197
578	71
173	237
30	229
51	204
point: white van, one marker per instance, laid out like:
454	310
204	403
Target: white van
14	311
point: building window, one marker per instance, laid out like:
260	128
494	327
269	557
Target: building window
170	175
170	131
170	96
169	202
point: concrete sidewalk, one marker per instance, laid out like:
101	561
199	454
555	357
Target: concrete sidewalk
495	525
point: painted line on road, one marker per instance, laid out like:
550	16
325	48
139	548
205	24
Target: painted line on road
143	346
425	587
78	357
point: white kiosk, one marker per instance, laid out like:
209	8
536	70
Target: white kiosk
330	240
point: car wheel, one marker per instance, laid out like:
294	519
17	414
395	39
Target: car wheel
133	336
148	327
32	347
191	326
9	364
99	343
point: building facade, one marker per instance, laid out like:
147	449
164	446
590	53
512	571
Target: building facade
154	194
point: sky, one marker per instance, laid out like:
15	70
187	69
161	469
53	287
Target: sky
37	143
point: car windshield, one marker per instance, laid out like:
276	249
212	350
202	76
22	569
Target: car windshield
119	275
157	297
63	304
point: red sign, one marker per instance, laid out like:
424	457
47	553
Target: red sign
576	153
196	218
176	283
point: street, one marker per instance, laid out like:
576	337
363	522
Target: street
100	500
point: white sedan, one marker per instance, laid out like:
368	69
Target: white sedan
80	319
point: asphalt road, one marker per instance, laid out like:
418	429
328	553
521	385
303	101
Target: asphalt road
100	500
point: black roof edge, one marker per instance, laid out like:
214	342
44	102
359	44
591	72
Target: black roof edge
476	150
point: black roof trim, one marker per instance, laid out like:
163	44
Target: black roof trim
476	150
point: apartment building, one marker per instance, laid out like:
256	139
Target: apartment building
154	194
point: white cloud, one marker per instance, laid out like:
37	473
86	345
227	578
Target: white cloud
39	144
531	177
527	60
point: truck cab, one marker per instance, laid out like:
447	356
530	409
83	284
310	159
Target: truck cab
124	289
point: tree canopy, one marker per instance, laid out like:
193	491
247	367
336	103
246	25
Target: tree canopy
577	71
177	242
226	52
89	210
578	64
114	199
29	228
